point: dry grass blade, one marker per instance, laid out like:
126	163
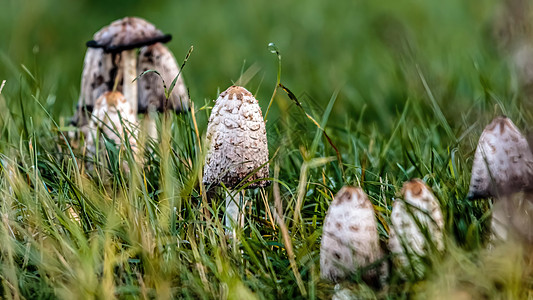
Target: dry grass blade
250	73
285	232
316	162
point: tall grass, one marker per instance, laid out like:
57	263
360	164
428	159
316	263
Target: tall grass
154	233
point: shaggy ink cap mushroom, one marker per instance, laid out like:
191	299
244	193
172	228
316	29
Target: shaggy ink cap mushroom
417	222
124	36
111	116
503	162
97	78
237	141
350	239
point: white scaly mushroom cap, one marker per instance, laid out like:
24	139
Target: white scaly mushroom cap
350	238
112	115
237	140
503	162
418	205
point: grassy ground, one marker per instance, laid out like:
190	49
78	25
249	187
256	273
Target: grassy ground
402	90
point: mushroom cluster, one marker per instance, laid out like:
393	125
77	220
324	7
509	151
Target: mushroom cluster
111	63
350	239
238	150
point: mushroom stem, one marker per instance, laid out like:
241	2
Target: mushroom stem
234	212
149	123
129	69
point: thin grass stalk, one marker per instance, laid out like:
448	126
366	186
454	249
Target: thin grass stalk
285	232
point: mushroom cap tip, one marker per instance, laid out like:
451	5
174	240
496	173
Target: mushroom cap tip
236	91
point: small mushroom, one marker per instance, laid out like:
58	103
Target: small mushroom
238	149
112	116
350	239
503	162
417	225
111	58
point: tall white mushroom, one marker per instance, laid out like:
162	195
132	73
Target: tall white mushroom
238	149
416	220
112	57
350	239
503	170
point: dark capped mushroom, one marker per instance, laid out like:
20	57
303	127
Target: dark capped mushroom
151	91
112	57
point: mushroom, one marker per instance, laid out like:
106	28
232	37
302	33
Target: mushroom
112	116
417	226
503	170
111	58
238	149
97	78
350	239
124	36
503	162
151	92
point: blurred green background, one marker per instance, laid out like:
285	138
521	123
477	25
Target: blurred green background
369	50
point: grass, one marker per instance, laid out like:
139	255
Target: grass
391	92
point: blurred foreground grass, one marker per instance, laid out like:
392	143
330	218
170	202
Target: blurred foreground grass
410	86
